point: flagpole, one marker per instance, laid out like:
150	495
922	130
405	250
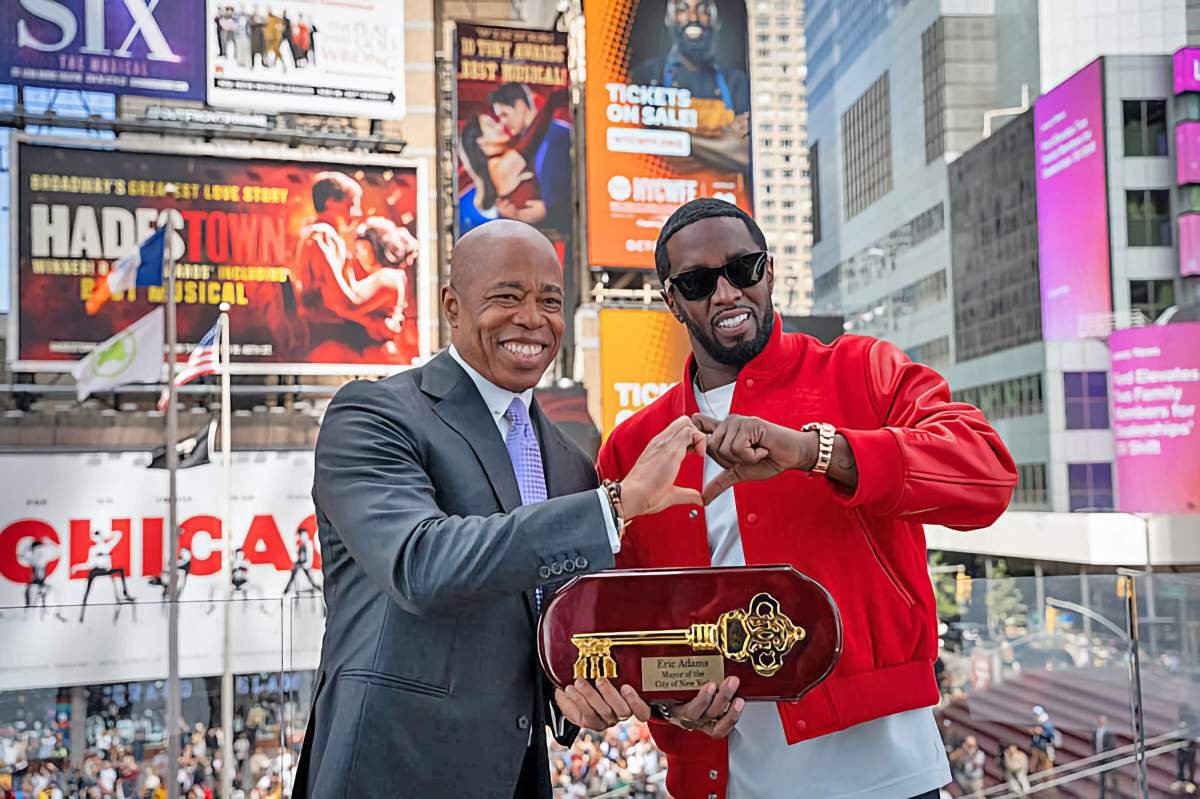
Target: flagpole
174	703
227	765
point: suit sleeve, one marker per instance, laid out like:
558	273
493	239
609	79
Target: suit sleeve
608	466
371	485
933	461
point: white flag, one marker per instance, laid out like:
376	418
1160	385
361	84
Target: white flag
134	355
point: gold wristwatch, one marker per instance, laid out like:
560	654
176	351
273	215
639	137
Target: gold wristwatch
825	433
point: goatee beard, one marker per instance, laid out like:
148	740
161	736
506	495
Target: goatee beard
741	353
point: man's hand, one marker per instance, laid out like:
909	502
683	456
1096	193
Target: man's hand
650	485
714	711
532	212
593	707
749	448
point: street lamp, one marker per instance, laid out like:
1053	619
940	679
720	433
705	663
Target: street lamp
1130	637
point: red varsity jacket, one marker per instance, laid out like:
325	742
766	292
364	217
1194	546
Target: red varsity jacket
921	458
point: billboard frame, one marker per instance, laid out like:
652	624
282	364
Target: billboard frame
244	152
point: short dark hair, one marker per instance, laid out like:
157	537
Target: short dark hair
510	93
694	211
326	189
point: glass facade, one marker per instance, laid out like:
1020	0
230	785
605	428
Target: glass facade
867	148
1086	398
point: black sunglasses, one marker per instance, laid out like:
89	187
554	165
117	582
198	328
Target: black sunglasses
742	272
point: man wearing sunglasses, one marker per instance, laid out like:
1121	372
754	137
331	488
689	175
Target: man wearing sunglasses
828	458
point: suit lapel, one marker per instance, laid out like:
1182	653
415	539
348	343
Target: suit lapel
460	406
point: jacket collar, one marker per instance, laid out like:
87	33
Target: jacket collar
775	357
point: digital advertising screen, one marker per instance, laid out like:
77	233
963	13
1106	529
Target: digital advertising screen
1189	245
320	262
307	56
1072	204
1187	153
668	118
1155	392
513	125
154	49
642	354
1187	70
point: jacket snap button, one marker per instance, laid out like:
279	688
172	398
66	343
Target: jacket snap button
712	775
544	572
556	568
750	383
752	518
522	722
800	726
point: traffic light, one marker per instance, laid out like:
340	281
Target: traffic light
1123	587
962	588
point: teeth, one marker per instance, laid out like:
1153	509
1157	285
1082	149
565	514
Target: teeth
733	321
526	350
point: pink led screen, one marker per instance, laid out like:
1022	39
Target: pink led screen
1072	204
1155	391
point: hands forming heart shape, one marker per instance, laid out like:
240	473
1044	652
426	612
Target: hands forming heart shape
748	448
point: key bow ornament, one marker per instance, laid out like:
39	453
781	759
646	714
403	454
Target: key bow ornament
761	635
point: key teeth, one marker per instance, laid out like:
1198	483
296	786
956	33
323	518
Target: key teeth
610	667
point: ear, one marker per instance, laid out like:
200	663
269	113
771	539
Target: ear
770	273
669	299
450	306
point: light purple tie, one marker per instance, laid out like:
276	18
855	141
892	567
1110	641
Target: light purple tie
526	457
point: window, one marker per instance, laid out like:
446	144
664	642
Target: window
789	203
789	219
787	173
765	143
867	148
1086	395
787	143
1090	486
933	70
1145	127
783	38
1006	399
1148	217
768	204
789	249
1151	297
763	53
763	38
1031	486
932	353
814	161
785	128
768	173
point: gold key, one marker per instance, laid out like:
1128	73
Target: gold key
762	634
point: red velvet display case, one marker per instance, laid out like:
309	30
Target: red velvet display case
667	632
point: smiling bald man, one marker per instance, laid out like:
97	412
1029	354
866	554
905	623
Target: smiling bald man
449	508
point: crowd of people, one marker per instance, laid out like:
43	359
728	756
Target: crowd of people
624	756
114	768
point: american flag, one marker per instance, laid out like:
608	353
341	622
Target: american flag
204	360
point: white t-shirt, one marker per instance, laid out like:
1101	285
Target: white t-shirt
894	757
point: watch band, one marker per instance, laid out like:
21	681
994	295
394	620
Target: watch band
825	433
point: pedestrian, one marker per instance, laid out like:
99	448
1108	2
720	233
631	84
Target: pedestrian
1016	769
967	763
1103	740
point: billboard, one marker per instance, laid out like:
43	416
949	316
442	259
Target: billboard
1189	244
308	57
642	354
117	46
1072	204
323	263
1187	70
82	546
1156	390
513	125
1187	153
668	118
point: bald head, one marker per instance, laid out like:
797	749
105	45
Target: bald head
504	303
481	249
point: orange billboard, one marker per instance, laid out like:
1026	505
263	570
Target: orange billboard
642	353
667	116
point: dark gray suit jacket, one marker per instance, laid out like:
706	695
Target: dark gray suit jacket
429	683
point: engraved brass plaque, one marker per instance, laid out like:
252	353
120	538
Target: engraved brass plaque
681	673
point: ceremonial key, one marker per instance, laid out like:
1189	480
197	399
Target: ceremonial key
762	634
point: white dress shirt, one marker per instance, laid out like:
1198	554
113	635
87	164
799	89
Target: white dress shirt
894	757
497	400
